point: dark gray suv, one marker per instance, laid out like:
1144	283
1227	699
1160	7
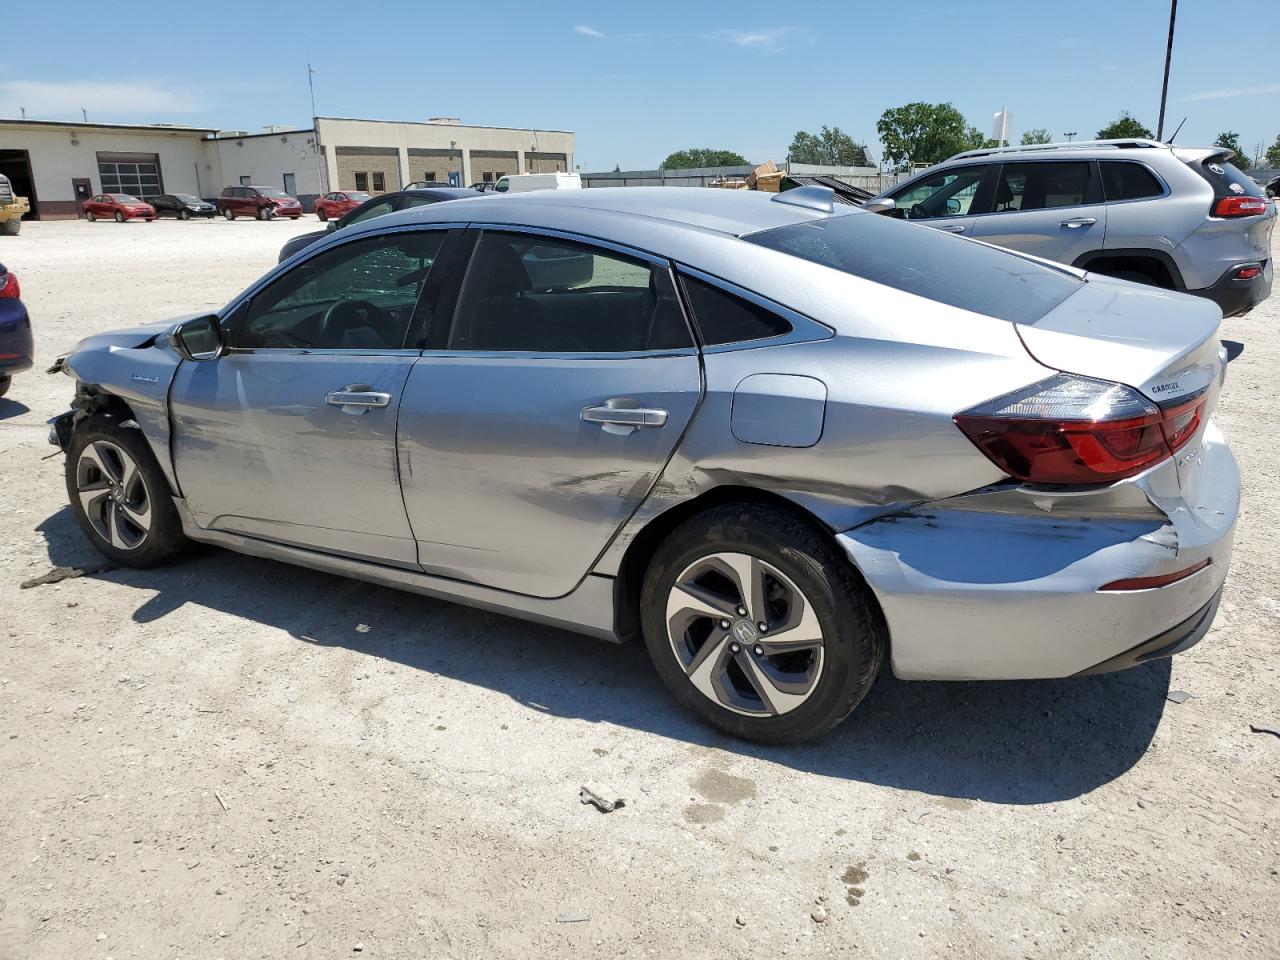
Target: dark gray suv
1175	217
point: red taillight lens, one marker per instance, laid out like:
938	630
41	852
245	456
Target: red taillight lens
1150	583
9	286
1077	430
1248	272
1240	207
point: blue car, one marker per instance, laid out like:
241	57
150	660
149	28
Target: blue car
15	331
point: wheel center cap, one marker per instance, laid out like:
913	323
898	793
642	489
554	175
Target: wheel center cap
744	631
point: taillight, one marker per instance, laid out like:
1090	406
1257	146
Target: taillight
9	287
1249	271
1162	580
1240	207
1070	429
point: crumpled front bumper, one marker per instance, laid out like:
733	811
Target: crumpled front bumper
1004	583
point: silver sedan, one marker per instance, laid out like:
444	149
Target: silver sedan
781	442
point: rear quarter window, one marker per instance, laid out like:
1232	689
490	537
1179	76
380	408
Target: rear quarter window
723	318
1128	181
923	261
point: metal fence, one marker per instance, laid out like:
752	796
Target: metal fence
866	178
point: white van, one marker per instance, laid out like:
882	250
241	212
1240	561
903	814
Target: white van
523	182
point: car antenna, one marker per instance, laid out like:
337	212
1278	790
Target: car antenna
1175	133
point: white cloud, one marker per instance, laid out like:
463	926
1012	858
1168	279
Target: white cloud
1074	43
102	100
1229	92
768	38
587	31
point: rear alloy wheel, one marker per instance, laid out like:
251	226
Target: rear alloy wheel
119	495
756	622
119	217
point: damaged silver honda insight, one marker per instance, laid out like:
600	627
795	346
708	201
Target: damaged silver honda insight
782	442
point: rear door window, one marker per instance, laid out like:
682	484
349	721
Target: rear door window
1123	180
1042	186
537	294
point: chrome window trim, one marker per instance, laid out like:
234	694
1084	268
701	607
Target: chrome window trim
437	353
586	239
321	352
803	329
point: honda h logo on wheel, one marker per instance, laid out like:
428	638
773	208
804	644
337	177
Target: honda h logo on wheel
745	631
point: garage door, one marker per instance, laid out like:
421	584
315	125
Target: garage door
133	173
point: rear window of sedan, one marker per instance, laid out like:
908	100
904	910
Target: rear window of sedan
920	260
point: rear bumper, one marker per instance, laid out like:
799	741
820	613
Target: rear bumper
1239	296
1012	591
16	346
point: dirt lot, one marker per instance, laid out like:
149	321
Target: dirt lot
234	758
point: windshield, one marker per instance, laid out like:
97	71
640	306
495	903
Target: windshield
921	260
271	191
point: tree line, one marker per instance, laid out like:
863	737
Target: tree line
920	134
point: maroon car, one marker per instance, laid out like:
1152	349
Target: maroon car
265	203
118	206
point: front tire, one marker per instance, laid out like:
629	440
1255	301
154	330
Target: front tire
119	217
758	624
10	228
91	216
322	215
266	213
120	496
5	384
184	214
228	213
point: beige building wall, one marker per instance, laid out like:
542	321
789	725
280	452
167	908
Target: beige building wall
265	158
373	163
59	152
426	164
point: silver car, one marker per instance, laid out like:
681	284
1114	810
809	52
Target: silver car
1181	218
782	442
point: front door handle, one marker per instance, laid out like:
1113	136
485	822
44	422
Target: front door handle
617	417
1075	222
357	398
952	228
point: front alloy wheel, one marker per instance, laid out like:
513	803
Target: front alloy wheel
113	495
745	634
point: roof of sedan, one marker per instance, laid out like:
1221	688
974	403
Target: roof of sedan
735	212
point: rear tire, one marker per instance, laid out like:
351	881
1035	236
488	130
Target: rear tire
10	228
5	384
1134	277
322	215
91	216
804	591
120	496
119	217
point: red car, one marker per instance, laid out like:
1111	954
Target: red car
265	203
338	202
119	206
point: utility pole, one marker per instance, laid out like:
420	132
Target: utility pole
84	113
1069	134
315	128
1168	57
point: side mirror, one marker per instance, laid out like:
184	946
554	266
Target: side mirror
198	339
881	205
332	226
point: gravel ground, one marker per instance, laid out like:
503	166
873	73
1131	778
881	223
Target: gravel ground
235	758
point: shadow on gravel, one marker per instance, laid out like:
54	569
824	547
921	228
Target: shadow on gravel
1006	742
12	408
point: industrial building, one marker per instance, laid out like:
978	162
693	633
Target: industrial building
58	164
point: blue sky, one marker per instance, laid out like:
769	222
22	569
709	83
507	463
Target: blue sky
637	81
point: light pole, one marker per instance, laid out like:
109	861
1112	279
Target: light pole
1168	57
315	131
1069	134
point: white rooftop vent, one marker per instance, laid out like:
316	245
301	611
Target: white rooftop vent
450	121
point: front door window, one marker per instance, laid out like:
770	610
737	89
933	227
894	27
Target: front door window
947	194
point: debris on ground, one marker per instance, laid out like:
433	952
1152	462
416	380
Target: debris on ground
587	795
573	918
58	574
1256	728
1178	696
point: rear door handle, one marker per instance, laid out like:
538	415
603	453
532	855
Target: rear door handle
1079	222
623	420
357	398
952	228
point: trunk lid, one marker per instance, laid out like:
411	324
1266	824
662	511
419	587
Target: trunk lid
1162	343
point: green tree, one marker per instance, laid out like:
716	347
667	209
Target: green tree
1035	135
1230	140
830	147
924	133
1124	127
1273	153
702	157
